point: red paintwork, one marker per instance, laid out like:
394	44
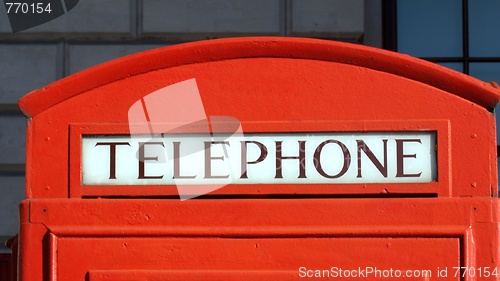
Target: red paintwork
6	266
75	232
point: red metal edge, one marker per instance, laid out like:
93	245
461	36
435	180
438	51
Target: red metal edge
441	188
459	84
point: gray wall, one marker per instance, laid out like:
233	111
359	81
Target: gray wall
96	31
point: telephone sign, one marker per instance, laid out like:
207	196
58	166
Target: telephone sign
260	159
300	158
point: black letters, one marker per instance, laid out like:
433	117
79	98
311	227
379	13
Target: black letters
301	158
208	159
142	158
177	162
262	156
317	159
363	147
112	156
400	158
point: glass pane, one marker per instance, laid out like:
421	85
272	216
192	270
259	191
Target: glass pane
457	66
429	28
484	31
486	71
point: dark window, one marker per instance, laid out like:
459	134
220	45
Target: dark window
463	35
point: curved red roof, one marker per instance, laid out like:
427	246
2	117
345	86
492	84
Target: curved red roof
467	87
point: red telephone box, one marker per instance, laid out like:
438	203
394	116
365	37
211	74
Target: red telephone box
301	159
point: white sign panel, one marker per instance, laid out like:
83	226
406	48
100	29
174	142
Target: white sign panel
294	158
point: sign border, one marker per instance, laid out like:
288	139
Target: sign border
439	188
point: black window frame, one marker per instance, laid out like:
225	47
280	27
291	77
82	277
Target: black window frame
390	36
390	39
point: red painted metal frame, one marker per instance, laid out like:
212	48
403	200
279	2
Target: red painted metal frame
104	93
271	85
120	231
6	266
439	188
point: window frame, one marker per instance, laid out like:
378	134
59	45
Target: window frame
390	39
